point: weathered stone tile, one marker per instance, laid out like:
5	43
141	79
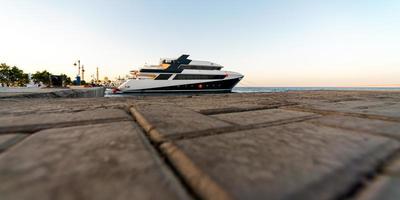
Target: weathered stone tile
169	120
52	92
384	188
212	108
385	128
262	116
231	103
383	108
32	122
103	161
8	140
45	106
295	161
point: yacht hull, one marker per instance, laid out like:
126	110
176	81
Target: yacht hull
209	86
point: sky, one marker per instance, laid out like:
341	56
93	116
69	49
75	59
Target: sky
281	43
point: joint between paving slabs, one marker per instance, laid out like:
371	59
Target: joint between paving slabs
373	133
149	129
371	177
196	182
392	166
238	110
332	112
31	129
10	143
230	129
146	127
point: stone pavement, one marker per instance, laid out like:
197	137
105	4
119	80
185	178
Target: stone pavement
34	92
293	145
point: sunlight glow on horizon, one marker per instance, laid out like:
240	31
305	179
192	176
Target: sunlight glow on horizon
273	43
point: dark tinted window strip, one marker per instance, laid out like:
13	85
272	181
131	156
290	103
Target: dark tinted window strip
220	84
163	77
199	67
152	70
197	77
161	71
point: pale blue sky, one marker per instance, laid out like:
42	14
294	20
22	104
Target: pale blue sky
273	43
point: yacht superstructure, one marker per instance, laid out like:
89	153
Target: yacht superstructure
181	75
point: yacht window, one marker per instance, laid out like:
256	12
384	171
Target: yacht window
200	67
165	61
163	77
197	77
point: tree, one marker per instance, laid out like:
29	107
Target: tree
18	77
4	74
67	79
23	80
13	76
41	77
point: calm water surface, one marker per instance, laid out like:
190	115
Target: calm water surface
272	89
286	89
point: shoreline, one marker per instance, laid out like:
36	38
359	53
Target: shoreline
80	92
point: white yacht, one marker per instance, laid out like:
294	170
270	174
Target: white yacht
180	75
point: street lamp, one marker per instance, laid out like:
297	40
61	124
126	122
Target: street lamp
78	77
83	73
79	67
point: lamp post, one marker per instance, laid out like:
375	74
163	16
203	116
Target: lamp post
79	67
83	73
78	77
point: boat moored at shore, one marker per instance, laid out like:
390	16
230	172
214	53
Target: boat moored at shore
181	75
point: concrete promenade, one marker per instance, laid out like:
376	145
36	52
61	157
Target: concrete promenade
74	92
294	145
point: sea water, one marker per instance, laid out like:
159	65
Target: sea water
286	89
108	92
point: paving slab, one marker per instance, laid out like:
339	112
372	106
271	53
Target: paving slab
231	103
8	140
103	161
384	188
165	120
384	128
23	106
295	161
25	92
307	97
262	116
32	122
226	106
365	107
